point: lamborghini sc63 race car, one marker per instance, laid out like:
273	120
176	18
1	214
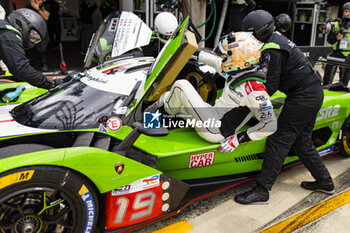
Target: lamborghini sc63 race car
82	157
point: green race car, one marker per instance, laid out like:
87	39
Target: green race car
86	157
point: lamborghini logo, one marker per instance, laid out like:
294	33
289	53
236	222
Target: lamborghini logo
119	167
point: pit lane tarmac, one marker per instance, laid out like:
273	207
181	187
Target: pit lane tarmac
291	208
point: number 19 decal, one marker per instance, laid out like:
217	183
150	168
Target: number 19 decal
132	208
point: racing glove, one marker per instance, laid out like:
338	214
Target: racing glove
229	144
243	137
49	84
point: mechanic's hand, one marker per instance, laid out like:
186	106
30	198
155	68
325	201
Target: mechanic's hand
229	144
56	82
34	4
67	78
339	36
49	84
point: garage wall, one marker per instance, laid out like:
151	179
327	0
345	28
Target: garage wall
68	7
72	7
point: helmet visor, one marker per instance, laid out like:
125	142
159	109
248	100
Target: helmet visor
34	36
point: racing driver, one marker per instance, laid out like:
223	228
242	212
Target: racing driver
243	96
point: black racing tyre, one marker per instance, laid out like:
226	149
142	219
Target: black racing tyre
345	139
46	199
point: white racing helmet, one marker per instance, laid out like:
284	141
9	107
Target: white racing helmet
240	51
165	24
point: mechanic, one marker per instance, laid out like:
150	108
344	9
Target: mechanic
39	50
243	96
339	38
3	67
290	72
165	24
23	29
283	23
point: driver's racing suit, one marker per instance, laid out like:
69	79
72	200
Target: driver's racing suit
233	109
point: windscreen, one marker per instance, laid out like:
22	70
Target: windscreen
92	96
78	106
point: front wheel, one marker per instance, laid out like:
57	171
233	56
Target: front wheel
46	199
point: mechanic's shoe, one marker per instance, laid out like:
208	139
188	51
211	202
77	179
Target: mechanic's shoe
324	186
258	195
44	68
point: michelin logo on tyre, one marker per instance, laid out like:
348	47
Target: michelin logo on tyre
90	208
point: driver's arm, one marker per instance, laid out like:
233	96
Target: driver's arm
258	101
211	60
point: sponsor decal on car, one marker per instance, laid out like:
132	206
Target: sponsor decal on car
16	178
136	202
153	180
203	159
335	125
102	129
142	184
326	151
134	207
119	167
90	208
114	123
328	112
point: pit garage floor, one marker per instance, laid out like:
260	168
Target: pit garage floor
291	208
